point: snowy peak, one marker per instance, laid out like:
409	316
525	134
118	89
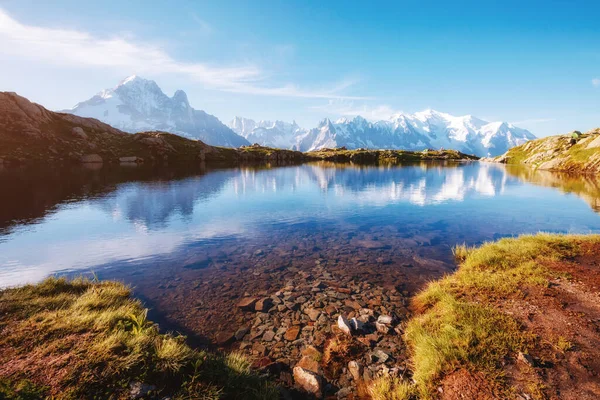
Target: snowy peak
418	131
137	104
277	133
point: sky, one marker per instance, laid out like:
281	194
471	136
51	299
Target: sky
532	63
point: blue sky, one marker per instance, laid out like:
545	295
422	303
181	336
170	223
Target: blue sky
533	63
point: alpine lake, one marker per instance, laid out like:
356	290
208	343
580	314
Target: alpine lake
264	259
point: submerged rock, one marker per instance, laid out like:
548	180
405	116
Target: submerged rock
344	325
308	380
247	303
355	370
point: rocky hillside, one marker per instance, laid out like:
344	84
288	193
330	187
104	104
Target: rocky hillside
31	133
574	152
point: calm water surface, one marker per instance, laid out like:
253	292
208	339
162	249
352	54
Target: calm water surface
122	221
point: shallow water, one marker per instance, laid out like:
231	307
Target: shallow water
193	242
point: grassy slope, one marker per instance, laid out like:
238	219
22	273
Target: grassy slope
460	325
83	339
557	153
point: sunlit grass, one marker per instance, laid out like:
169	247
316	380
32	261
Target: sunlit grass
106	341
390	388
460	324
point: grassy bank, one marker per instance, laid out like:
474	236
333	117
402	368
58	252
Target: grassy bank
467	325
85	339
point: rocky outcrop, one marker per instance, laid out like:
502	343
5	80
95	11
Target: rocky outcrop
574	152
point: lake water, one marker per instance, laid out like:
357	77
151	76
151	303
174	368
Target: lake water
193	242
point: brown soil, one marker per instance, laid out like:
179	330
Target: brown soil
565	321
463	384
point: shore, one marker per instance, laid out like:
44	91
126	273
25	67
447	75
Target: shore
520	318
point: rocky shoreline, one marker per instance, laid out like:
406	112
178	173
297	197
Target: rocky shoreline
323	336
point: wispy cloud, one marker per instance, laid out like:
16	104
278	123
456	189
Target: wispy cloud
80	49
350	108
596	82
204	26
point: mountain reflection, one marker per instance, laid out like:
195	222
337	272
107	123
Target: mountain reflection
79	219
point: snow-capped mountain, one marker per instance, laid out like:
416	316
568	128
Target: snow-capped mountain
138	104
272	134
422	130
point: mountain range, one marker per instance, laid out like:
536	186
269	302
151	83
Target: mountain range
428	129
138	104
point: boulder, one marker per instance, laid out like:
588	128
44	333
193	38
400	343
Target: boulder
309	381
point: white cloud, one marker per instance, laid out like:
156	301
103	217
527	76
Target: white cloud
350	108
596	82
72	48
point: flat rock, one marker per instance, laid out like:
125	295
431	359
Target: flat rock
312	313
268	336
264	304
247	303
292	333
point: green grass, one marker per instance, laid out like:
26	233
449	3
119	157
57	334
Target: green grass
460	325
388	388
88	339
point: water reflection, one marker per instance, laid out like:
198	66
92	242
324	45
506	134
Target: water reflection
585	186
54	220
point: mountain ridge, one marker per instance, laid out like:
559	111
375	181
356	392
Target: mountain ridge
137	104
